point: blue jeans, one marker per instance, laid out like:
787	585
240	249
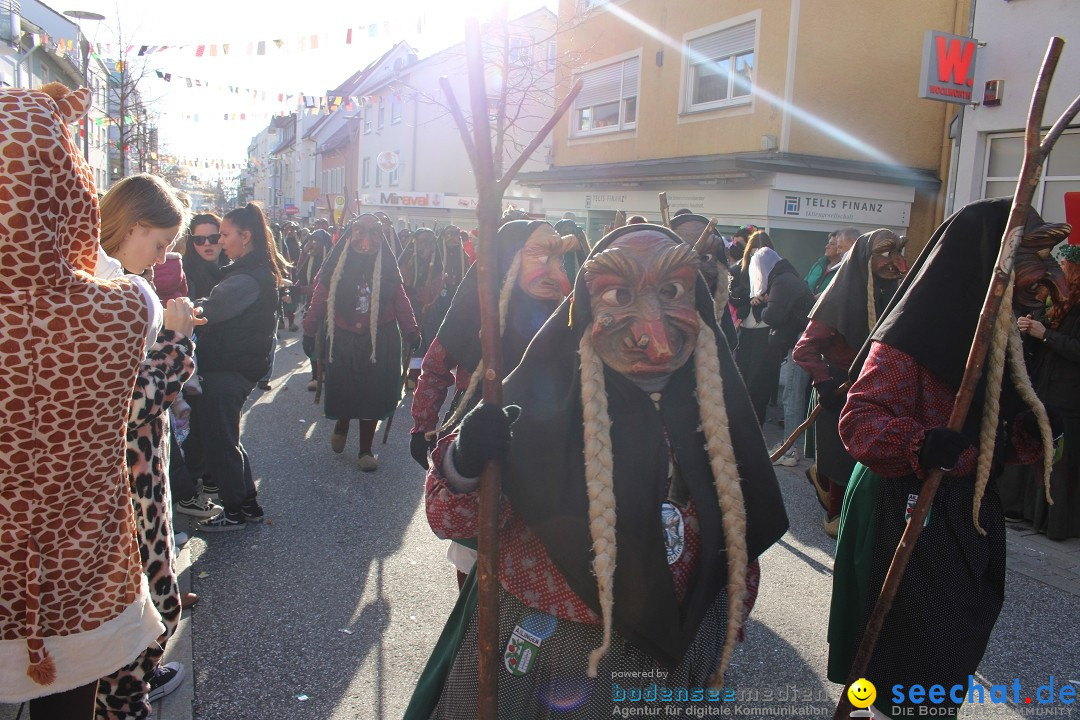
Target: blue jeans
796	382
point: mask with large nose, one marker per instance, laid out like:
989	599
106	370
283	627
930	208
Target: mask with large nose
542	275
641	292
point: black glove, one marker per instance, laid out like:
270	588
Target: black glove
941	448
309	345
484	436
1030	423
419	447
827	397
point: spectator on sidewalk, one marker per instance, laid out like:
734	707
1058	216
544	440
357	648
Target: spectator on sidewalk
202	255
234	346
74	602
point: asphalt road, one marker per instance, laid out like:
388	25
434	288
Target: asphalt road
346	550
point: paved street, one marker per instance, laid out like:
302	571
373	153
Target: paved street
344	550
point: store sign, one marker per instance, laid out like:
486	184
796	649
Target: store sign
396	199
948	67
291	209
838	209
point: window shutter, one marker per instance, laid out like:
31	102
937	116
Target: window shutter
722	44
600	86
630	77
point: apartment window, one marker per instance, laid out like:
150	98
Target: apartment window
365	173
608	99
378	175
552	55
382	115
520	50
395	112
720	68
367	118
1061	172
392	176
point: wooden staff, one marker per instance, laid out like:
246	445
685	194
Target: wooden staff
620	219
1034	155
803	426
665	211
490	191
706	234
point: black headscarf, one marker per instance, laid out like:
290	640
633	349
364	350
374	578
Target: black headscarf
934	313
460	330
544	475
843	304
731	333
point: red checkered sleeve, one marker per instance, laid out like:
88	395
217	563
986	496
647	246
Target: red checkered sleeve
436	376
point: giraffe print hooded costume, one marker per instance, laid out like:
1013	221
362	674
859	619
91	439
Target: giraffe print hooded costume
74	603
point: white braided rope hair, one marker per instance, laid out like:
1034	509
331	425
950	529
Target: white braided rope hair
508	283
1005	346
871	311
376	291
599	485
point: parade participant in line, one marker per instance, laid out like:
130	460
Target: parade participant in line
422	264
713	256
74	601
839	324
1055	363
430	317
894	424
305	271
233	354
575	256
530	257
636	490
360	296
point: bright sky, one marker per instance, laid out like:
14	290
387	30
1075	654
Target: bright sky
294	69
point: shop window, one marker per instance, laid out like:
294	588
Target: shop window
1061	172
719	68
608	99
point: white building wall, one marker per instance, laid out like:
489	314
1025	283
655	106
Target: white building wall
1016	35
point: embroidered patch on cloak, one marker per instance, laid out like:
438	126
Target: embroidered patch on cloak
522	650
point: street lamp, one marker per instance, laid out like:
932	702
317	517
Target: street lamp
85	47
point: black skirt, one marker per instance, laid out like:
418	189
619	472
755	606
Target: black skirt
356	388
833	459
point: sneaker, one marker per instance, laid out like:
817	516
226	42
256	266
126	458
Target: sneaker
788	459
820	489
831	525
199	506
312	385
180	540
164	680
263	385
252	511
223	522
368	462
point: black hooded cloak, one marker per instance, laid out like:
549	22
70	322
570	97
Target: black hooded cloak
731	333
544	474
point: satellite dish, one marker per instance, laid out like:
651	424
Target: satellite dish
387	160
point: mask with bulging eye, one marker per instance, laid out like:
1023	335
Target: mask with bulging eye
542	275
887	255
641	292
365	236
1036	273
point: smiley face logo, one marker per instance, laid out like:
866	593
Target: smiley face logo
862	693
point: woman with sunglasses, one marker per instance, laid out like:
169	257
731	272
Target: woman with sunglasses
203	259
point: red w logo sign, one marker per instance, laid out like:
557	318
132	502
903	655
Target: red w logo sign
954	57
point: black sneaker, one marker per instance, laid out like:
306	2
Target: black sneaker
252	511
263	385
199	506
164	680
224	522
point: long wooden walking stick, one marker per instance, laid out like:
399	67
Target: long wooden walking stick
665	210
490	192
804	426
1034	155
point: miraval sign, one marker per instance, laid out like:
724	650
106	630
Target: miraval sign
948	67
395	199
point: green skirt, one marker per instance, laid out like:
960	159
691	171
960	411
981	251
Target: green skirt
851	572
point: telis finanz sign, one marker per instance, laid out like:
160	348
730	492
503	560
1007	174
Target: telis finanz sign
948	67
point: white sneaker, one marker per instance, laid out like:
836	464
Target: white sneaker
199	506
788	459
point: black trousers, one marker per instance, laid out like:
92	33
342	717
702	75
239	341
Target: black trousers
760	367
216	421
74	704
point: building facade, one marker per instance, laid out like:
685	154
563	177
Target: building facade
797	117
989	146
